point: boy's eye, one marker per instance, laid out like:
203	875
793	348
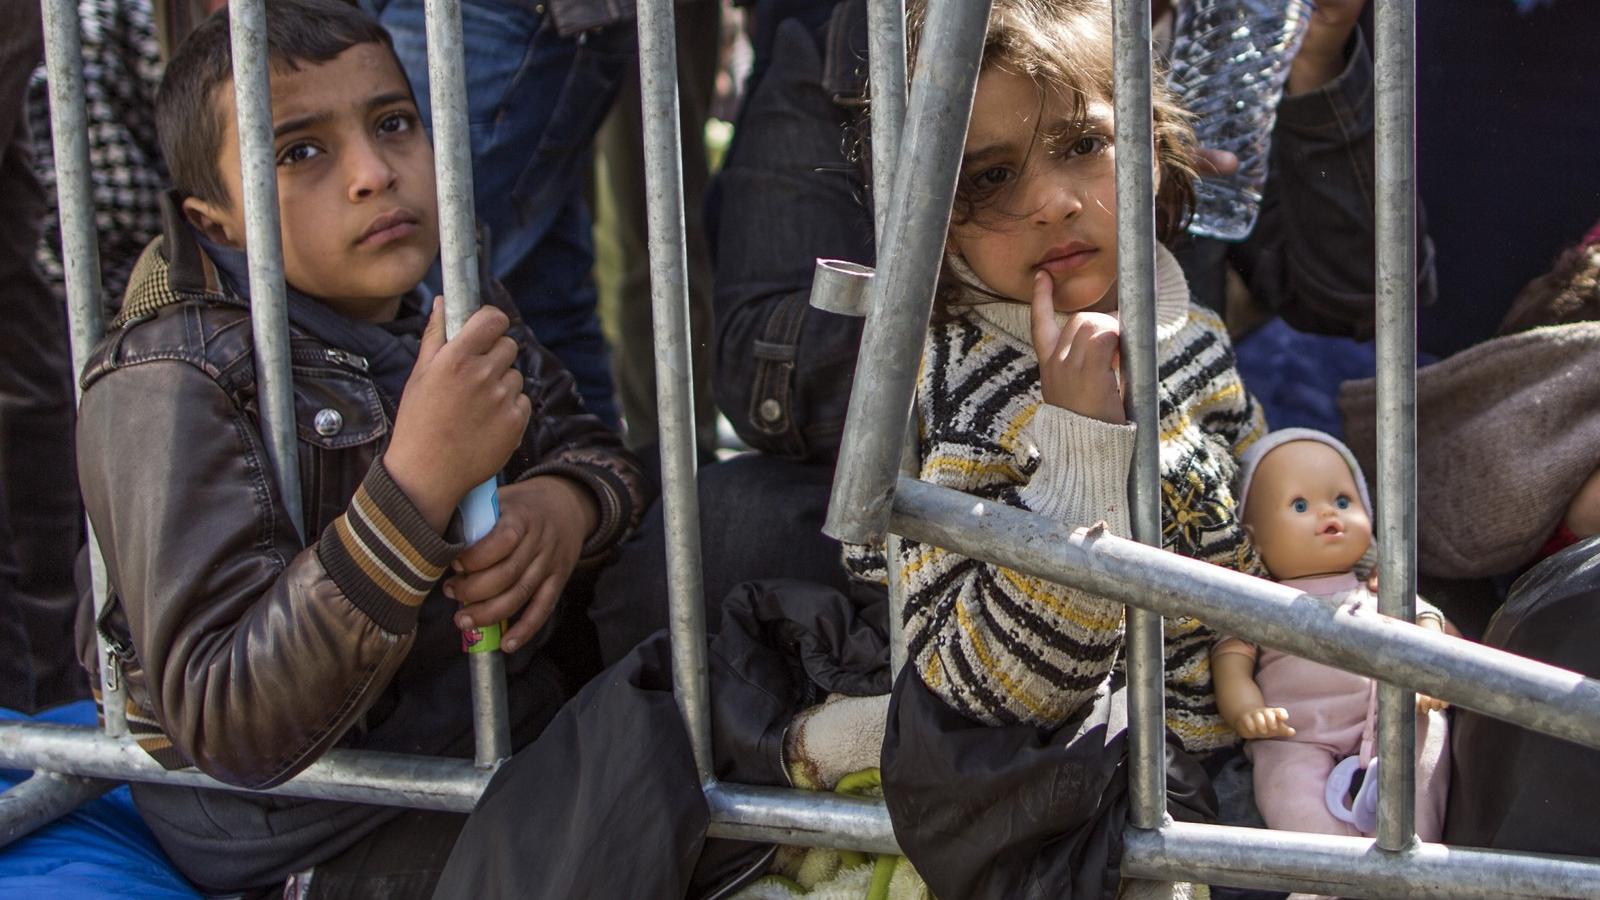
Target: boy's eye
1343	501
297	153
394	123
1299	505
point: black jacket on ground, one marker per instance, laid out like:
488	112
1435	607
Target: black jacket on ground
981	811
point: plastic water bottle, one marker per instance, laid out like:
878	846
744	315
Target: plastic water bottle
1230	59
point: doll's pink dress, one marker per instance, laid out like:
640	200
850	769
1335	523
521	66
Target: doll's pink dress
1329	709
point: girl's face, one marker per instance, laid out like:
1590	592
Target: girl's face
1042	186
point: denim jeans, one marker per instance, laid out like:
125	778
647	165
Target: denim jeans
535	100
38	483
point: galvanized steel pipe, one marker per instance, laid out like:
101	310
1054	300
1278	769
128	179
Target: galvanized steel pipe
800	818
669	294
1348	866
886	68
352	776
1136	305
1396	530
458	250
80	258
1499	684
908	267
41	799
269	301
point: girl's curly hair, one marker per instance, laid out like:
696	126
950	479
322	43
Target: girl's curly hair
1066	45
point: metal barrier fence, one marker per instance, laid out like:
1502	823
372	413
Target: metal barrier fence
873	497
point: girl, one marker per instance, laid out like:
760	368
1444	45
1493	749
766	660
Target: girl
1019	400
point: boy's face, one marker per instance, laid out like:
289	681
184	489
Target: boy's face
355	182
1304	512
1044	191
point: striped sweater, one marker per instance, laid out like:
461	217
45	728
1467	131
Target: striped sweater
1003	647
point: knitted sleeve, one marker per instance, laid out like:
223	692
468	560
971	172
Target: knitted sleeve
1227	408
997	645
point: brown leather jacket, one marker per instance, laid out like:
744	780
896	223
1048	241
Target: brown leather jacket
247	653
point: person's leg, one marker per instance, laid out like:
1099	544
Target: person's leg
621	156
535	100
760	518
1289	780
400	861
16	672
36	410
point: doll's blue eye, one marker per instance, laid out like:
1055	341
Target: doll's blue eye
1300	505
1343	502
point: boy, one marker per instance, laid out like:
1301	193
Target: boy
248	652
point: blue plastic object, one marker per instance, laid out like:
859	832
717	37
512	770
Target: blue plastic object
101	850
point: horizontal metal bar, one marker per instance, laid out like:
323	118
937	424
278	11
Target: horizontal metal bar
1499	684
801	818
352	776
43	798
1348	866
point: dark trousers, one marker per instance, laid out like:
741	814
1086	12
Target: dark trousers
40	496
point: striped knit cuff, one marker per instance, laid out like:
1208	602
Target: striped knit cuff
1083	469
383	555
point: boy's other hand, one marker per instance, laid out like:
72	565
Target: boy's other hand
1264	722
1426	704
524	563
461	416
1078	359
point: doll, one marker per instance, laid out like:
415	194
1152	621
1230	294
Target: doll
1308	725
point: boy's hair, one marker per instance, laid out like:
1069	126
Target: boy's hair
1067	44
189	119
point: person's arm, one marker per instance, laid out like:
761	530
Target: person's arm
258	653
790	194
1310	257
1233	677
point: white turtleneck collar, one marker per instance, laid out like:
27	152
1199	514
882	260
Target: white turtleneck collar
1015	319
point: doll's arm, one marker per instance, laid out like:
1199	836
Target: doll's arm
1239	697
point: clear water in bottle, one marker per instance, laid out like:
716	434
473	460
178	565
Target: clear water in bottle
1230	60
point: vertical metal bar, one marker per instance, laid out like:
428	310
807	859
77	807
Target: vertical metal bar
1136	296
909	467
909	259
669	293
447	92
63	52
886	61
1397	400
269	303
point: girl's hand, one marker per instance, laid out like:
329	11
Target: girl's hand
1078	361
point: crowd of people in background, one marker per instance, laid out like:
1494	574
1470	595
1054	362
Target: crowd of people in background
249	651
